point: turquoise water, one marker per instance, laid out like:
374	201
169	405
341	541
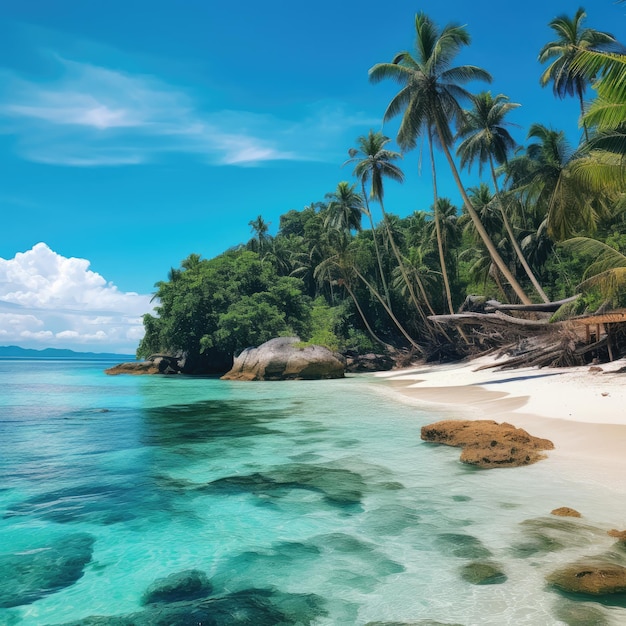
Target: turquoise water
269	503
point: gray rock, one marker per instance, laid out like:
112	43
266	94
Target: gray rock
284	359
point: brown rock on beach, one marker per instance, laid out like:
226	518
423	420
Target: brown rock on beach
565	511
487	444
590	577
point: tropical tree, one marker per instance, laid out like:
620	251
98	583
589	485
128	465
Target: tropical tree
546	175
566	79
373	162
259	228
487	140
344	208
607	272
429	97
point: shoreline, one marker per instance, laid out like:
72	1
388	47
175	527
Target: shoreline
582	412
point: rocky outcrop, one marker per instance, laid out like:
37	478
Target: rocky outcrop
155	364
486	443
284	358
591	577
370	362
565	511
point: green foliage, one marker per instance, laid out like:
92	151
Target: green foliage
215	308
325	321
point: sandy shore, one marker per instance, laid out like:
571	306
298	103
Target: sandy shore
582	412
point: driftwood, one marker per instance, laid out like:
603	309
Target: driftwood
543	307
497	318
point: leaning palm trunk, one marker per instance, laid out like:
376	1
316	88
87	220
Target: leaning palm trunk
395	320
383	280
484	235
509	230
362	314
442	258
405	276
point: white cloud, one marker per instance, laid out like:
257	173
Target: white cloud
94	116
48	300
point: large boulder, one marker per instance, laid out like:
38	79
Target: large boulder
486	443
594	577
284	358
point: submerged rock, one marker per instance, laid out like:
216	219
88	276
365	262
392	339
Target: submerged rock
189	584
261	607
483	573
542	535
462	546
594	577
419	622
283	359
339	487
579	614
486	443
33	574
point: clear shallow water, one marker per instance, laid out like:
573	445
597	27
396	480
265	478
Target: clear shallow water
301	502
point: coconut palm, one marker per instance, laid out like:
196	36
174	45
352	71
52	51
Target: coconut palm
429	97
259	228
344	208
487	140
566	79
373	163
607	272
549	178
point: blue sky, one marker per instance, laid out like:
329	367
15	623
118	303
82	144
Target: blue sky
135	133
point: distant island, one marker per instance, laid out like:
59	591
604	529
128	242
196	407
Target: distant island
58	353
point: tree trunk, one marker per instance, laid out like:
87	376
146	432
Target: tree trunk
378	257
497	259
401	328
509	230
405	276
358	308
442	259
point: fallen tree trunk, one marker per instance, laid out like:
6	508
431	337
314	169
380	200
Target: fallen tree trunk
498	319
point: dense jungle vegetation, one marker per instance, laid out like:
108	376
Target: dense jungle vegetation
546	222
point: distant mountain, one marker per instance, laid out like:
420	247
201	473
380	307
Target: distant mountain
57	353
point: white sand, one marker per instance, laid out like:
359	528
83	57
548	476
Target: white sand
582	412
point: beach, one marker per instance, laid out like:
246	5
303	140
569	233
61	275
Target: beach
582	410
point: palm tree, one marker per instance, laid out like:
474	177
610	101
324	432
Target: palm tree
566	79
444	230
429	97
374	162
550	179
487	140
607	272
344	209
259	228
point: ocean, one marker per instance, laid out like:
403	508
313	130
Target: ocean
195	501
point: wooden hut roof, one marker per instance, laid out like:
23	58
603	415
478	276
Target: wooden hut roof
610	317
